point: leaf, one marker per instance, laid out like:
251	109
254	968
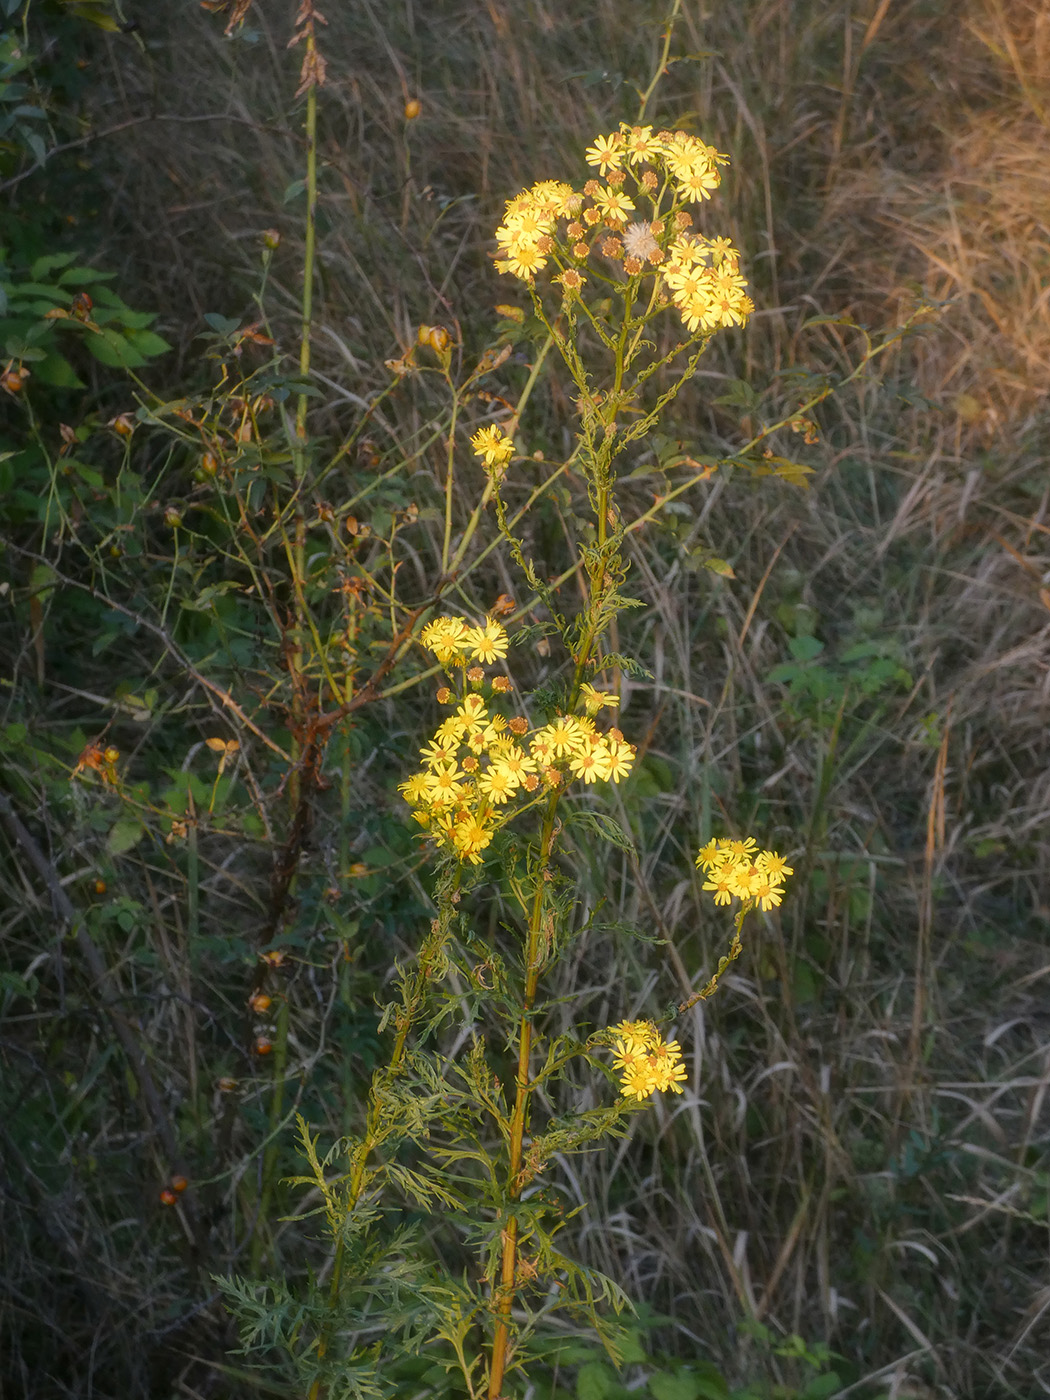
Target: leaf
596	1381
124	835
707	1383
111	348
600	824
805	648
224	325
56	370
722	567
148	342
739	395
74	275
48	263
794	473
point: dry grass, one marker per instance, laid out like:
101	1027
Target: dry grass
861	1157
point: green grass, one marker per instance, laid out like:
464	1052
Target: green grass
860	1159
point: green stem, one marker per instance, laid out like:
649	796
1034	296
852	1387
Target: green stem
534	957
661	67
269	1166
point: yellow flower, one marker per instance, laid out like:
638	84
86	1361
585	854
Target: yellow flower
489	642
773	865
415	788
614	204
473	714
641	144
638	1081
592	763
621	758
564	736
720	882
445	636
445	783
516	761
492	446
450	731
523	260
606	153
499	784
470	837
595	700
709	856
639	1035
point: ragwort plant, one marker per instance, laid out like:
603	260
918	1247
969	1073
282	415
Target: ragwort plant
441	1231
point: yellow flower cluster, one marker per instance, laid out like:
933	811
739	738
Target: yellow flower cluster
738	870
646	1063
479	763
655	178
703	278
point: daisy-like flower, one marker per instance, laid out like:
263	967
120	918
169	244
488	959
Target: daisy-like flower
621	758
740	848
439	750
499	784
615	205
489	642
564	735
492	446
591	763
607	153
686	251
772	864
415	788
721	884
517	761
638	1081
444	637
710	855
699	312
473	713
450	730
766	892
524	260
698	184
470	837
641	144
445	782
595	700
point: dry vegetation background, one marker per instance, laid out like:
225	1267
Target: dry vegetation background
861	1158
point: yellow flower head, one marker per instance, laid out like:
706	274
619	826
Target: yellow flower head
490	444
445	637
489	642
595	700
